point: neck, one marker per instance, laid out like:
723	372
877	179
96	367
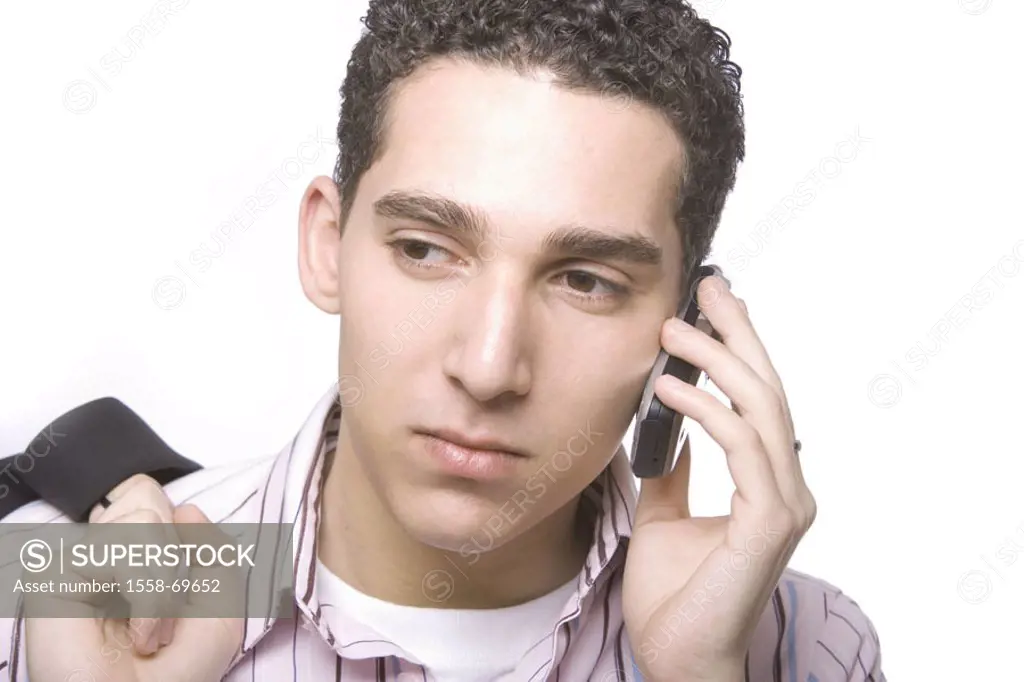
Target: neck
361	542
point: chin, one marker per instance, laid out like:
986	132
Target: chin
448	520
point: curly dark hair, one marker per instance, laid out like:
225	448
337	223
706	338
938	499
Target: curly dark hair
655	51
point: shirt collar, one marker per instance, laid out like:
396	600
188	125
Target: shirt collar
291	493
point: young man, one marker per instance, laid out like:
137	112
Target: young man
523	193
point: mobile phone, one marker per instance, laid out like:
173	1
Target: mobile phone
660	431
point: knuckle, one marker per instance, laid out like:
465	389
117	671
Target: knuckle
748	436
149	484
154	506
146	516
780	393
705	401
771	402
154	493
671	338
784	519
131	483
811	509
163	504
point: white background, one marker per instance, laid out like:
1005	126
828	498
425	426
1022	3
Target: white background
110	181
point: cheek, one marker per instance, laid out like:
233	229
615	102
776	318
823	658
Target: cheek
603	395
588	438
582	453
375	328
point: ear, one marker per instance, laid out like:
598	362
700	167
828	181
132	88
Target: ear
320	244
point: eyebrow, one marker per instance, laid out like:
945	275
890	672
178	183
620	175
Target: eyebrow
574	240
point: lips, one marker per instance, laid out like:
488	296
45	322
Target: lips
484	459
481	443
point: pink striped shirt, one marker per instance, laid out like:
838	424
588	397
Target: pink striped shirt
810	631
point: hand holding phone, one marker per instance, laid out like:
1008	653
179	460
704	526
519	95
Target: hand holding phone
659	430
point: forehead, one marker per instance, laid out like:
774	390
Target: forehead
531	154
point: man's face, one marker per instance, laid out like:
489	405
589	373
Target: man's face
524	334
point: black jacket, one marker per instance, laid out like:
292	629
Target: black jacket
83	454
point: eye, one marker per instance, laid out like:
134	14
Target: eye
420	254
590	287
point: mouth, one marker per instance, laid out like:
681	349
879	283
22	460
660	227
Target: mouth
482	444
479	458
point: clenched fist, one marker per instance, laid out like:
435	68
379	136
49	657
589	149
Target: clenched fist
190	648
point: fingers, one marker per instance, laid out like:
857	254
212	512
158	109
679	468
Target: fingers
148	590
740	366
746	344
206	628
138	492
759	405
729	318
216	589
740	337
744	451
165	631
144	575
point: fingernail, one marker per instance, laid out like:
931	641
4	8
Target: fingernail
152	644
721	275
678	326
145	629
144	646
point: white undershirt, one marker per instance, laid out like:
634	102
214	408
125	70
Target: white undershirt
461	645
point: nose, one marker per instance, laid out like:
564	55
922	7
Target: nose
489	353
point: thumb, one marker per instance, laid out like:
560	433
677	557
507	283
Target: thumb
667	496
215	590
205	631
